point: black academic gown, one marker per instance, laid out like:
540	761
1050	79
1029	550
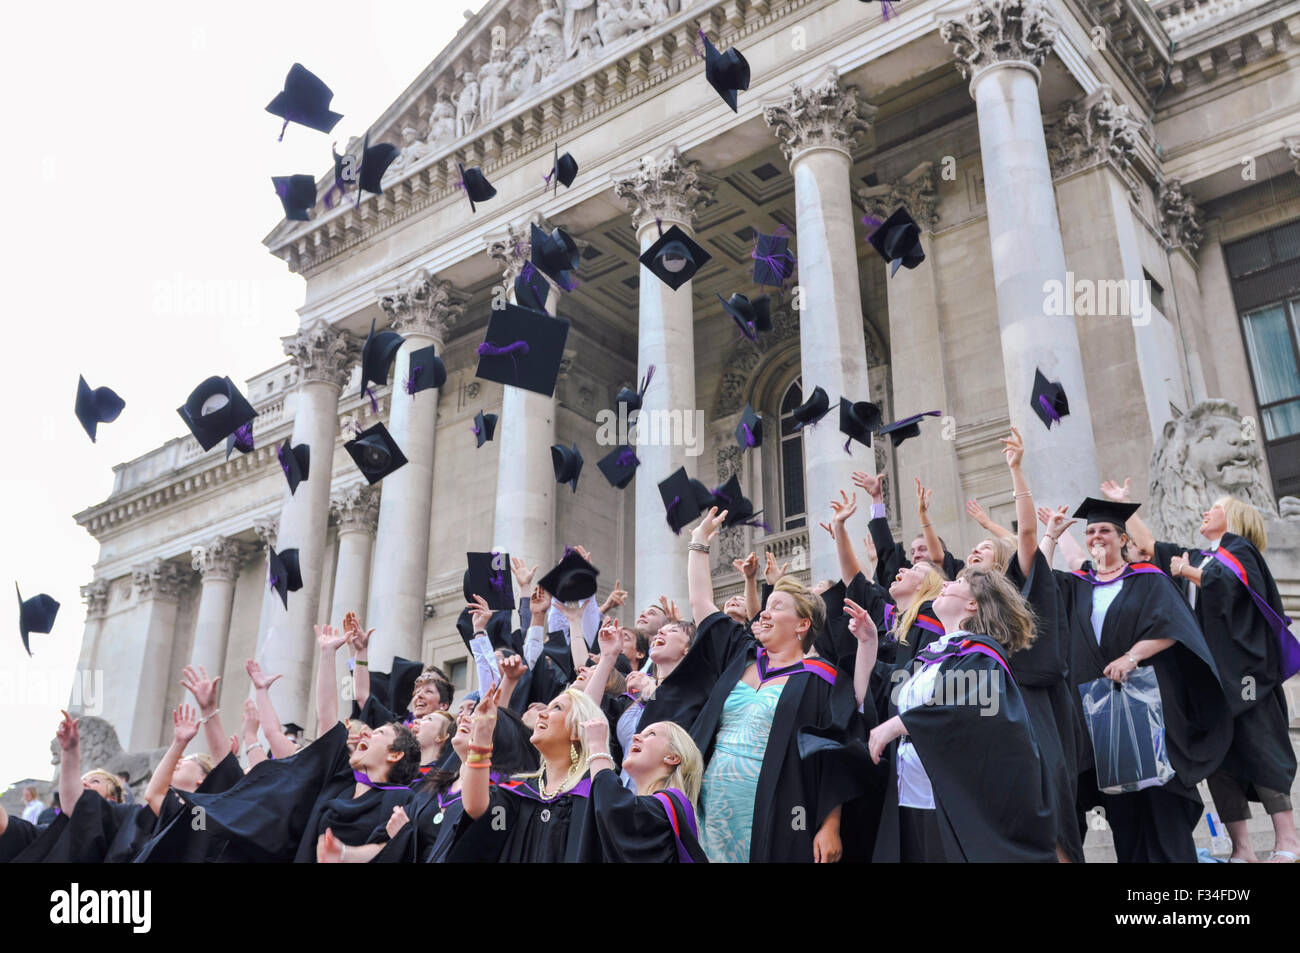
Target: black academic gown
1245	648
521	827
992	794
1198	725
632	829
435	820
892	556
789	785
84	836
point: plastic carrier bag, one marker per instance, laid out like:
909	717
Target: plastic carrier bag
1127	727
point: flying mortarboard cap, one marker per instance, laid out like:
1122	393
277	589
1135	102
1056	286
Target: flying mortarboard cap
731	498
523	348
572	579
773	260
684	499
531	289
554	255
304	100
215	410
377	356
489	577
35	615
241	440
95	406
858	420
290	728
563	169
749	432
1048	400
674	258
813	409
750	316
633	398
285	576
726	72
485	425
297	195
567	462
425	370
898	241
375	161
295	462
1106	511
619	466
477	187
375	453
906	428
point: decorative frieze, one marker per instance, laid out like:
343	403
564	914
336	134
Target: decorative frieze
818	114
321	352
1000	31
423	304
665	186
219	558
1180	219
1090	131
915	191
356	508
160	579
95	595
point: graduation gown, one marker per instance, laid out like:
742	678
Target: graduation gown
82	837
435	820
634	829
992	794
1244	641
521	827
789	785
892	556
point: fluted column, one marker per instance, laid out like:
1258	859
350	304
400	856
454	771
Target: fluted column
324	358
137	668
422	310
665	188
87	691
217	562
817	123
999	46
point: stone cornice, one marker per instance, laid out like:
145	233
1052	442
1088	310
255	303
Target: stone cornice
1129	35
1216	38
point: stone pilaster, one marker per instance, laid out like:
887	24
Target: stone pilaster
218	562
137	668
95	595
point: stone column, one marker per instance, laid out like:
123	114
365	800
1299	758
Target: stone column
356	512
135	688
999	46
422	310
665	188
87	687
324	357
817	123
267	530
217	562
1181	226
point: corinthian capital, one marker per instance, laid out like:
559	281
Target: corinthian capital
515	247
1001	31
820	113
665	186
1180	219
159	579
95	595
1091	131
356	508
218	558
423	304
267	529
322	352
915	191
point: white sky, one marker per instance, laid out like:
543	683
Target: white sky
140	160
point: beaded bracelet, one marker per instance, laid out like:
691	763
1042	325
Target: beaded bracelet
485	763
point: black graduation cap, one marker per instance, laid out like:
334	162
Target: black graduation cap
35	615
906	428
1106	511
749	432
773	260
485	425
425	370
898	240
554	255
375	452
304	100
523	348
297	195
1048	400
572	579
674	258
567	462
375	161
750	316
215	410
563	169
633	398
731	498
619	466
377	356
241	440
813	409
477	187
291	728
95	406
684	499
285	576
295	462
489	577
858	420
531	289
726	72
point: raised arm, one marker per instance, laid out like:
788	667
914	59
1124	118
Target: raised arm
932	544
185	725
252	747
328	640
864	630
204	690
276	740
535	637
70	786
1138	531
1013	448
578	647
699	579
976	512
843	508
475	790
360	642
512	670
610	645
748	568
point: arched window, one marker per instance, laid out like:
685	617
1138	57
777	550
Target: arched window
793	509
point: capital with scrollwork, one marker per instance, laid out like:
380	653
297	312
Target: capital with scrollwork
1090	131
322	352
993	32
95	595
267	529
915	191
665	186
423	304
820	113
356	509
159	579
1180	219
515	247
219	558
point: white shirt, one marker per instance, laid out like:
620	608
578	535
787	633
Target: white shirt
33	810
1102	597
914	789
1191	586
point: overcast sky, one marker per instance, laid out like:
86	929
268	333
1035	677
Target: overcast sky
138	195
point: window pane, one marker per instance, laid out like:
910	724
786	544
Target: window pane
792	478
1272	356
1286	241
1282	421
793	398
1248	255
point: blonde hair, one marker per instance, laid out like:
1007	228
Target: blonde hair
925	592
1000	612
204	761
1244	520
1004	550
581	708
114	784
807	605
688	774
451	719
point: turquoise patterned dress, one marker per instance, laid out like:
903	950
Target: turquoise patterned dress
731	780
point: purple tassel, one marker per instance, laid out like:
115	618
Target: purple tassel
279	455
678	530
846	446
749	435
497	581
273	580
757	524
871	222
374	404
645	381
717	492
413	378
475	429
887	9
1049	410
627	458
659	224
526	273
567	551
487	349
283	128
698	51
244	438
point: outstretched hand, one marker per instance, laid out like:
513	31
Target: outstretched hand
873	484
68	733
523	575
773	571
538	603
480	613
1116	493
747	567
843	508
708	526
259	678
200	686
329	639
861	624
922	499
977	513
185	724
670	609
1013	448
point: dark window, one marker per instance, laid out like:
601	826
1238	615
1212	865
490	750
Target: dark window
793	509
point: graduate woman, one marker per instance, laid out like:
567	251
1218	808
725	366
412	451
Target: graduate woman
1120	616
966	780
1238	606
760	800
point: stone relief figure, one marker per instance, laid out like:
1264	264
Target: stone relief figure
442	121
523	69
615	19
546	38
579	21
413	150
467	106
492	85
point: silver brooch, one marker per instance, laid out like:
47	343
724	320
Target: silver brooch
437	818
546	814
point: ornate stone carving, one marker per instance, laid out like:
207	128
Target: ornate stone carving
731	542
356	508
1180	219
472	390
915	190
98	746
218	558
267	529
442	121
322	353
95	595
1292	144
492	77
546	38
413	151
1000	31
820	113
1091	131
467	106
664	186
579	22
515	247
423	304
430	610
159	579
